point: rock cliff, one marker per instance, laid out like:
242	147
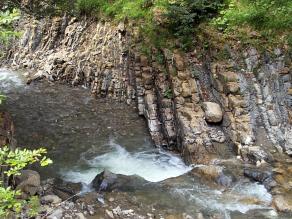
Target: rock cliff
202	108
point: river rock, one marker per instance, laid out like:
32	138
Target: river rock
213	112
56	214
65	189
281	204
108	181
52	199
264	177
80	216
255	153
28	182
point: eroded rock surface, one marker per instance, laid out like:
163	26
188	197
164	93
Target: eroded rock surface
190	105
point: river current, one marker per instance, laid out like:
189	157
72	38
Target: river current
85	136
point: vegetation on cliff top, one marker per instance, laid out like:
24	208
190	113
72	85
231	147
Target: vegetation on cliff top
269	21
6	29
176	21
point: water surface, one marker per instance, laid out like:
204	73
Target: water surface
84	136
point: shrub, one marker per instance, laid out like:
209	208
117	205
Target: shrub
6	29
261	14
11	163
184	15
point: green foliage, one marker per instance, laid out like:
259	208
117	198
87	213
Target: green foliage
33	206
6	20
118	9
13	162
8	201
184	15
261	14
20	158
2	98
168	93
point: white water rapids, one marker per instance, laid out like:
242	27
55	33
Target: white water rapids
9	80
152	165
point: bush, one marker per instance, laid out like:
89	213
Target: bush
11	163
184	15
261	14
118	9
6	29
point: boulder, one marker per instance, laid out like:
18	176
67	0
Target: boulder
281	204
228	76
255	154
186	90
179	61
213	112
56	214
108	181
51	199
264	177
214	173
28	182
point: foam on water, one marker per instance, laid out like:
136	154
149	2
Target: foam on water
243	197
9	80
154	165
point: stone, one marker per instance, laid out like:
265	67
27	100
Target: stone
186	90
281	204
56	214
213	112
52	199
65	189
144	61
232	87
228	76
235	101
179	61
208	171
28	182
108	181
264	177
284	71
255	153
109	213
80	216
183	75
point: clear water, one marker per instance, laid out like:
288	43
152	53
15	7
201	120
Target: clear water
84	136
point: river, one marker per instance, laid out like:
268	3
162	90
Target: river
85	136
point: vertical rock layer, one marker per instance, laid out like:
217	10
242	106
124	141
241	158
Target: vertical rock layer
197	108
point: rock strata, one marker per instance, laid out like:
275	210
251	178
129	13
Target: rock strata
190	105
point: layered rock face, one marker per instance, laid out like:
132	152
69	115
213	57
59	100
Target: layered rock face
191	106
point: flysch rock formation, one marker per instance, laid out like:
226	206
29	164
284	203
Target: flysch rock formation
194	107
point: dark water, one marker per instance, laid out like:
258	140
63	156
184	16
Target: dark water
85	136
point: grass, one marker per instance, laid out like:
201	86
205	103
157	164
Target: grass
269	21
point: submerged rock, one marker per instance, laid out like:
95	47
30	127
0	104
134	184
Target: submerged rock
262	176
215	174
108	181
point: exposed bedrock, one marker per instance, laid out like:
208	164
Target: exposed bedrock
241	105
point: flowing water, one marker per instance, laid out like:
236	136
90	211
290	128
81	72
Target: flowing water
84	136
